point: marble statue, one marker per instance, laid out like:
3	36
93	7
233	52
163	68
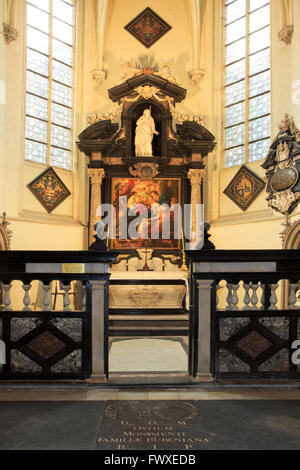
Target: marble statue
145	128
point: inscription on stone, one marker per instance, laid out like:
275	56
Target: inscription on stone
151	425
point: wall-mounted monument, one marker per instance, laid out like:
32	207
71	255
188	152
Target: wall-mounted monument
282	165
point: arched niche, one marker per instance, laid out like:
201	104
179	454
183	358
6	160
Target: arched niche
160	115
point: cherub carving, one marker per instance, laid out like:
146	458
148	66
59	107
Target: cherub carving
283	200
133	70
286	125
163	70
282	152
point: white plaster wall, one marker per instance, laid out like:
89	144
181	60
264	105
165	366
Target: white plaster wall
33	227
259	226
2	106
176	46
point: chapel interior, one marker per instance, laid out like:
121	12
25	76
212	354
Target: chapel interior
187	108
216	85
100	54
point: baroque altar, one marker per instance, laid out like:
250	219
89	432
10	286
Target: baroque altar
153	155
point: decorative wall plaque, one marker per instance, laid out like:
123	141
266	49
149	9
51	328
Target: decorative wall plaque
147	27
244	188
49	189
282	167
284	179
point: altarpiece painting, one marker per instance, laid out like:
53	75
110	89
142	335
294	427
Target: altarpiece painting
153	195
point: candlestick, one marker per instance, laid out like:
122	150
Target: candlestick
107	235
183	266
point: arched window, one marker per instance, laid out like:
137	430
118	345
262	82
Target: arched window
247	80
49	82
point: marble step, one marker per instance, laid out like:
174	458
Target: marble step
128	325
148	318
148	312
148	327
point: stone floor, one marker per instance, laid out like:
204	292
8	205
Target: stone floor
148	355
148	420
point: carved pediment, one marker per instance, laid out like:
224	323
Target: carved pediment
196	138
103	130
99	137
190	130
124	89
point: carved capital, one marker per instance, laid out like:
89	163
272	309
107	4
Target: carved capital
195	176
96	175
98	75
197	75
10	33
286	33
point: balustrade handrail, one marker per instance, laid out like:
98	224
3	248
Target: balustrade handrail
42	256
236	256
37	276
221	264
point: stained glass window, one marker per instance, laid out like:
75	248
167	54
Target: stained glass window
49	82
247	80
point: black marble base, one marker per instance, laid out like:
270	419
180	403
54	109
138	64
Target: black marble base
150	425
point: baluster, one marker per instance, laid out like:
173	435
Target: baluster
83	297
7	299
235	298
67	300
229	296
292	296
263	296
26	298
254	298
246	299
273	297
47	297
217	297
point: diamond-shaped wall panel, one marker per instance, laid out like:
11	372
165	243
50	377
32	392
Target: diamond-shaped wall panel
46	345
254	344
147	27
49	189
244	188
